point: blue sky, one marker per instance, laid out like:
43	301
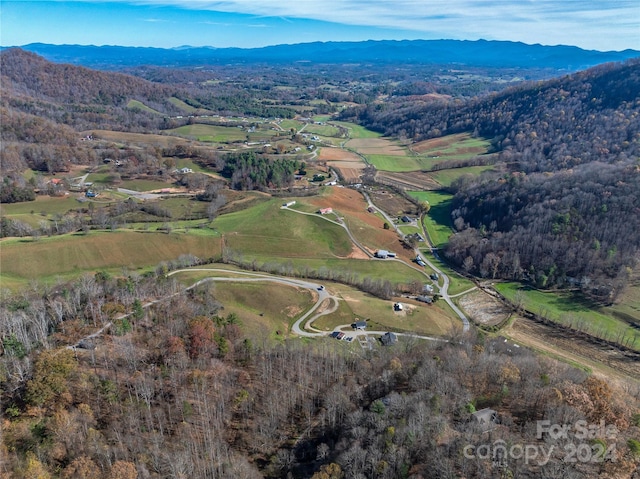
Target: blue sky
590	24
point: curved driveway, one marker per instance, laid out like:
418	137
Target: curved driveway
443	290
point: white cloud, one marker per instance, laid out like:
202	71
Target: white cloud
573	22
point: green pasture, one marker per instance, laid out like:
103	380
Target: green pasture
322	130
395	163
446	177
212	133
264	305
357	131
458	147
438	220
265	229
570	309
43	206
138	105
288	124
47	258
183	106
344	269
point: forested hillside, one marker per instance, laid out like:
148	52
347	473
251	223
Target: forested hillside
566	214
179	390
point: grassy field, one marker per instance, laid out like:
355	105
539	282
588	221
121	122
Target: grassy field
43	205
357	131
322	130
143	185
446	177
267	306
24	260
424	155
438	220
266	230
570	309
395	163
356	305
211	133
182	105
138	105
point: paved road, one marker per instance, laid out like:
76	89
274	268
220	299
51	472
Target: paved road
443	290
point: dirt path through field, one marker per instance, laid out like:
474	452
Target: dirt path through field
610	363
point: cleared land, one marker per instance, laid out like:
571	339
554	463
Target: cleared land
355	305
483	308
376	146
571	348
24	260
263	306
218	134
574	311
438	220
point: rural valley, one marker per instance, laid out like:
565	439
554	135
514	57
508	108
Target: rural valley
225	267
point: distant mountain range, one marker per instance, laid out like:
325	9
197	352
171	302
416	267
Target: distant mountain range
480	53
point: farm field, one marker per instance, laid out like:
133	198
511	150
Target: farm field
458	146
572	310
25	260
163	141
138	105
357	131
438	220
447	177
217	134
386	155
267	230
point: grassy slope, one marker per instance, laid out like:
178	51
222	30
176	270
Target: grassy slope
570	309
438	220
24	260
138	105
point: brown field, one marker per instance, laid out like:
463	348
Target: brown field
602	359
435	143
415	180
392	203
484	309
338	154
138	138
100	250
351	171
366	227
376	146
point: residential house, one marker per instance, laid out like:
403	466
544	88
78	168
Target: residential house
388	339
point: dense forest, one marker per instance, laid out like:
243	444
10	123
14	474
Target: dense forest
177	389
248	171
566	214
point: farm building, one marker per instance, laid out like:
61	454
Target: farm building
359	325
424	299
382	253
388	339
325	211
406	219
289	203
397	307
